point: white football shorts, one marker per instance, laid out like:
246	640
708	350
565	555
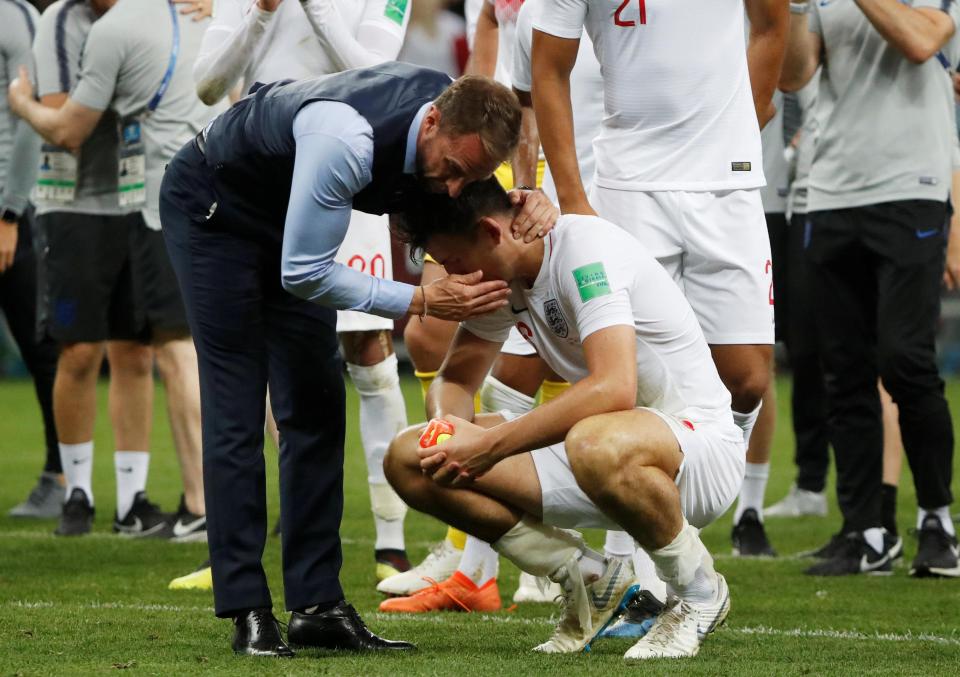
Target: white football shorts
366	248
714	245
517	345
709	479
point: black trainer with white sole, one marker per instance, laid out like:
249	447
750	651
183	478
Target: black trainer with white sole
937	551
750	538
76	519
833	547
188	527
856	556
144	520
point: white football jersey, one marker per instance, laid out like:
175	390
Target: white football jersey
595	275
506	12
290	49
679	111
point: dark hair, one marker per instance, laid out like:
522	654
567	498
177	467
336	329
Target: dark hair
475	104
438	214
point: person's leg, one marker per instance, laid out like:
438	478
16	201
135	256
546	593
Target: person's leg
372	366
131	414
75	410
892	459
909	285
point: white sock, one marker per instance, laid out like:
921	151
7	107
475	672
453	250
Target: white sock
646	574
746	422
131	470
479	561
874	538
686	567
77	461
495	396
618	544
751	493
383	414
537	548
942	513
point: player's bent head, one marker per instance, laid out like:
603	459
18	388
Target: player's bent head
464	234
471	128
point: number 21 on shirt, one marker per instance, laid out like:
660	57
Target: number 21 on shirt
618	15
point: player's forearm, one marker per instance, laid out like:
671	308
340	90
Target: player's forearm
343	49
225	56
449	398
802	54
483	56
528	150
51	124
918	34
22	173
769	26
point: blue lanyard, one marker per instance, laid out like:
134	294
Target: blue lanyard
174	52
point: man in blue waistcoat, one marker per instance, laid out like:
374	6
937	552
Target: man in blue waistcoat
253	211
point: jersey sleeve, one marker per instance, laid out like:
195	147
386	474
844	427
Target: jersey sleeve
521	70
494	327
103	55
594	282
562	18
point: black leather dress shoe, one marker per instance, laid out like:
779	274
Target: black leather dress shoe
339	628
258	634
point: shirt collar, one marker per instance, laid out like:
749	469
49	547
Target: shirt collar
410	157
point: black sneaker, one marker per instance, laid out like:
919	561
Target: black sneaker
188	527
937	553
749	537
144	520
76	519
855	556
832	548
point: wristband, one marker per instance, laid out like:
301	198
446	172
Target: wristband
799	8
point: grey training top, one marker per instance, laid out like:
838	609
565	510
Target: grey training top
775	168
809	130
126	55
885	123
59	44
19	144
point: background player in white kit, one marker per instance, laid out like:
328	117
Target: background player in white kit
678	157
271	40
649	437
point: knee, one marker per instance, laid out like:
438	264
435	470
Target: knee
176	362
747	388
901	367
80	361
401	460
425	346
593	455
366	348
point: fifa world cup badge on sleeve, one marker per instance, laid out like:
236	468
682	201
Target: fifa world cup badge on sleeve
591	281
438	431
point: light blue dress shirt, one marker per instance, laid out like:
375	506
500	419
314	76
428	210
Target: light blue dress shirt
333	163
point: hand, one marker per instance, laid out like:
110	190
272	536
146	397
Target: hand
951	273
269	5
201	9
457	297
8	244
462	459
20	92
537	215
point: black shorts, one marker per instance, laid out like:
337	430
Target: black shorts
777	230
106	278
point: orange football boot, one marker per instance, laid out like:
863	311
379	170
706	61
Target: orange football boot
457	593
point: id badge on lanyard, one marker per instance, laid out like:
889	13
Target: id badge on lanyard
57	177
132	160
132	164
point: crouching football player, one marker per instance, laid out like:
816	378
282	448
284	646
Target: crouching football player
643	441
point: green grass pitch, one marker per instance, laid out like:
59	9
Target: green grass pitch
98	605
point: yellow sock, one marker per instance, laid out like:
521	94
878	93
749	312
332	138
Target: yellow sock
425	378
552	389
457	538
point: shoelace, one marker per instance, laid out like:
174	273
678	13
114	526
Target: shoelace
666	626
436	587
575	606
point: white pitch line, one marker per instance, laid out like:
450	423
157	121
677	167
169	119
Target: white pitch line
506	619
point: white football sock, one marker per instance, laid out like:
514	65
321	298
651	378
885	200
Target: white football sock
496	396
537	548
942	513
479	561
874	538
686	567
746	422
754	487
131	470
383	414
77	461
646	573
618	544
